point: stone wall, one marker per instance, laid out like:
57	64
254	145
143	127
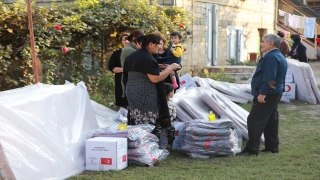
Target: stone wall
249	14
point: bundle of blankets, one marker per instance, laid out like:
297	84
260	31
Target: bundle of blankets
204	139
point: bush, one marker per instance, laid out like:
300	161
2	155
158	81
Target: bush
221	76
71	36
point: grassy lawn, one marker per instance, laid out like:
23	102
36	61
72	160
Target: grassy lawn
299	156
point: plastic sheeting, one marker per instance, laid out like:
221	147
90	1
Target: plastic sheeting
42	131
307	89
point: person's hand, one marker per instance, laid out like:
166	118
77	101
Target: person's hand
161	66
138	45
165	66
174	66
172	48
261	98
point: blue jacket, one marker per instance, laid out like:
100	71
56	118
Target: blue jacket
270	74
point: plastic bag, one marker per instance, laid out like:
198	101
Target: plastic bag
121	116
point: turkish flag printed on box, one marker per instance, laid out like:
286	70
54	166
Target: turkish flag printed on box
106	161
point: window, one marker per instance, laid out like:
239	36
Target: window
163	2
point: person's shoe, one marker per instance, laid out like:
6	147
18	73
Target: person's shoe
246	153
270	150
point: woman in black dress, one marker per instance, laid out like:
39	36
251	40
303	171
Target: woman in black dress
144	85
115	66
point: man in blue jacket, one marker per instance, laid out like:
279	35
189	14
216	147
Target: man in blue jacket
267	86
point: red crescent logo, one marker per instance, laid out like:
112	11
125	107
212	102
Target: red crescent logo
289	88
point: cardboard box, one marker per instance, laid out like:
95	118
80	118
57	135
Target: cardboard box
187	81
289	76
290	91
176	145
106	153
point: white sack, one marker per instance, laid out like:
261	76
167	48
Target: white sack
306	88
42	130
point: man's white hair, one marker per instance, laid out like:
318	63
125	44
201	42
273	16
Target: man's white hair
272	38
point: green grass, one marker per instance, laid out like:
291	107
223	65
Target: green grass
299	156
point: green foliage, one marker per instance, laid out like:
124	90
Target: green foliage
221	76
233	62
86	26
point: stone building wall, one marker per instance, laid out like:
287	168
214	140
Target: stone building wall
249	14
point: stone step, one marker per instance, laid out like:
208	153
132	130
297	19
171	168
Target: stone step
240	73
232	69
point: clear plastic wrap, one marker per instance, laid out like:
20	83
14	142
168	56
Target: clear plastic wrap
142	140
132	132
195	155
121	116
220	145
202	123
104	115
197	131
143	150
202	140
42	130
149	159
188	148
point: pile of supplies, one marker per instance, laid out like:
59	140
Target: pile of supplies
205	139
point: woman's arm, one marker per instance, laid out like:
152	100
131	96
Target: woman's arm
117	70
163	74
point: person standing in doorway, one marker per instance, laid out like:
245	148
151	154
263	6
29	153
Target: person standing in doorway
267	86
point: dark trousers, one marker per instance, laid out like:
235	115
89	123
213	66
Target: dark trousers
170	132
263	118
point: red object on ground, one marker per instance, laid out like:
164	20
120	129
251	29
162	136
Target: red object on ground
318	40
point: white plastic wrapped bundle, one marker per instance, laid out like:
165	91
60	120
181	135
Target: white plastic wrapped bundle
228	88
181	113
149	159
143	150
142	140
224	106
306	88
196	107
132	132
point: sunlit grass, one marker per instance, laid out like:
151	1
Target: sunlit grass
299	156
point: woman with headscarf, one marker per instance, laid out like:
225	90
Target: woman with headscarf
144	85
298	50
